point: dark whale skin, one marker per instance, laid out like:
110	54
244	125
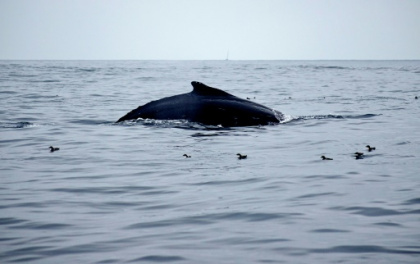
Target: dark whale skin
208	106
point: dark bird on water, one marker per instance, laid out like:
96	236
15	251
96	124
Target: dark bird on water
187	156
325	158
370	148
240	156
52	149
358	155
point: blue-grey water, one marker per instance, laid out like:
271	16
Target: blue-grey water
124	193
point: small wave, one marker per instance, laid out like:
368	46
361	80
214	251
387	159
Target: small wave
287	119
375	211
146	78
178	123
46	81
40	226
226	182
329	230
388	224
15	124
412	201
91	122
325	67
212	218
291	119
213	134
330	116
10	221
8	92
363	249
103	190
87	69
21	75
157	258
334	67
185	124
350	249
312	195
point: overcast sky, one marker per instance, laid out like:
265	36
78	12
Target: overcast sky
207	29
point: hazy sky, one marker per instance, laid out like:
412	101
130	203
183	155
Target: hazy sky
207	29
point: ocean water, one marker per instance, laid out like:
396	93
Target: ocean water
124	193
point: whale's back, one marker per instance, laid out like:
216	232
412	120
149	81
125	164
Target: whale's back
209	106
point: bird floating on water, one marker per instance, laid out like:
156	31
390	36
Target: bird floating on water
52	149
370	148
240	156
187	156
358	155
325	158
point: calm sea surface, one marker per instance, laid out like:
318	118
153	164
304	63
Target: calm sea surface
124	193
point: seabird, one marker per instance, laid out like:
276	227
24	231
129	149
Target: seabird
240	156
52	149
370	148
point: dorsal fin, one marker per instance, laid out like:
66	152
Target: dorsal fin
202	89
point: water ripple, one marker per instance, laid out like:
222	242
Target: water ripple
214	218
157	258
15	124
118	193
412	201
357	249
104	190
352	249
375	211
329	230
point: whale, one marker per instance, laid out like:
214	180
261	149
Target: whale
208	106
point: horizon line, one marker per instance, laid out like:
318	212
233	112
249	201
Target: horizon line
210	60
